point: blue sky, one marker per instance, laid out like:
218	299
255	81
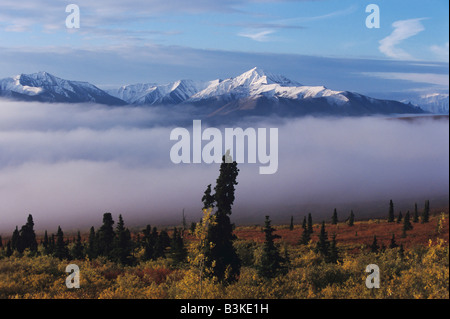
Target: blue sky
121	42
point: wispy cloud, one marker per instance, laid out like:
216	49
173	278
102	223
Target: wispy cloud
260	36
403	29
442	52
429	78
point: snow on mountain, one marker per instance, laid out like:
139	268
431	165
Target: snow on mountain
257	83
43	86
437	103
150	93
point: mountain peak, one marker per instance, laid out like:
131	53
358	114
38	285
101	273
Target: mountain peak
257	76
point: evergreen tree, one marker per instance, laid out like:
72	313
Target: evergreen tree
27	236
426	212
222	253
391	216
306	236
15	238
407	222
393	243
105	236
177	249
61	250
45	243
291	225
1	242
416	214
323	245
78	249
334	252
334	218
271	262
208	199
122	244
399	218
351	219
310	224
91	250
9	250
51	244
184	222
148	243
374	247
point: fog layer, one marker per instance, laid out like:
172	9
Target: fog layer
68	164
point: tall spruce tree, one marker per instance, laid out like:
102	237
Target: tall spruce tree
105	236
222	253
27	236
351	219
306	236
334	251
77	251
391	216
291	225
122	244
148	243
271	264
426	212
323	245
208	199
45	243
15	238
310	224
9	250
61	250
334	218
416	214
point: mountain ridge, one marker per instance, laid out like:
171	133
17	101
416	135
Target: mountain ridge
254	92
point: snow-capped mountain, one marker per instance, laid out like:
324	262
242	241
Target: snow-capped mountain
151	93
45	87
254	93
437	103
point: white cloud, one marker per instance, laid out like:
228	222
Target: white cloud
403	30
261	36
442	52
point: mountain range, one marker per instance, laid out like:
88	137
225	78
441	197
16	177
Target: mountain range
254	92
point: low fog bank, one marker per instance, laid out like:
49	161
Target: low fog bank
68	164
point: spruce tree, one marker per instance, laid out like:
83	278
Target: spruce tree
310	224
148	243
105	236
416	214
9	250
399	218
291	225
91	250
271	263
351	219
391	216
306	236
426	212
122	244
78	249
61	250
393	243
374	246
27	236
208	199
334	218
407	222
222	253
323	245
177	249
1	242
45	243
334	252
15	238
